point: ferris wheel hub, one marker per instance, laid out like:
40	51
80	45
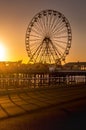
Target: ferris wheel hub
46	40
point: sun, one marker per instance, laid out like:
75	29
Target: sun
2	52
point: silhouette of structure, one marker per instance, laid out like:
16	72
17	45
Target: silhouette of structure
40	75
48	37
48	41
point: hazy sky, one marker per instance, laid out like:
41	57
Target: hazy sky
15	16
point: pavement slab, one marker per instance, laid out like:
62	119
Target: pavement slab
42	109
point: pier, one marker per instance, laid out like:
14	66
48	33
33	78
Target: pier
25	78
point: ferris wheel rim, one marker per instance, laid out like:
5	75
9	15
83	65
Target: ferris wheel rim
68	29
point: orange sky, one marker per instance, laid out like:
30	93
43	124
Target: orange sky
16	15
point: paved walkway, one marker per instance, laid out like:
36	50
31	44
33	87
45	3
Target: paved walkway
17	102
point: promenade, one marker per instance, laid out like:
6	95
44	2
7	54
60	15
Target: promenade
43	108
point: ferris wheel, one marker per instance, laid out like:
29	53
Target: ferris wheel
48	37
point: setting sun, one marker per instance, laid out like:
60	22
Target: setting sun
2	52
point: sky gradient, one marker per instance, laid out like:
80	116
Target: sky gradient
15	16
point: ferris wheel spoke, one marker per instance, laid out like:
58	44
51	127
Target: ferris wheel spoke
46	21
52	54
60	40
60	37
33	48
36	31
48	55
54	24
63	42
34	45
58	50
58	45
39	29
42	27
58	22
50	22
61	23
53	21
42	22
58	29
36	36
42	55
36	50
55	50
39	26
64	31
35	40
